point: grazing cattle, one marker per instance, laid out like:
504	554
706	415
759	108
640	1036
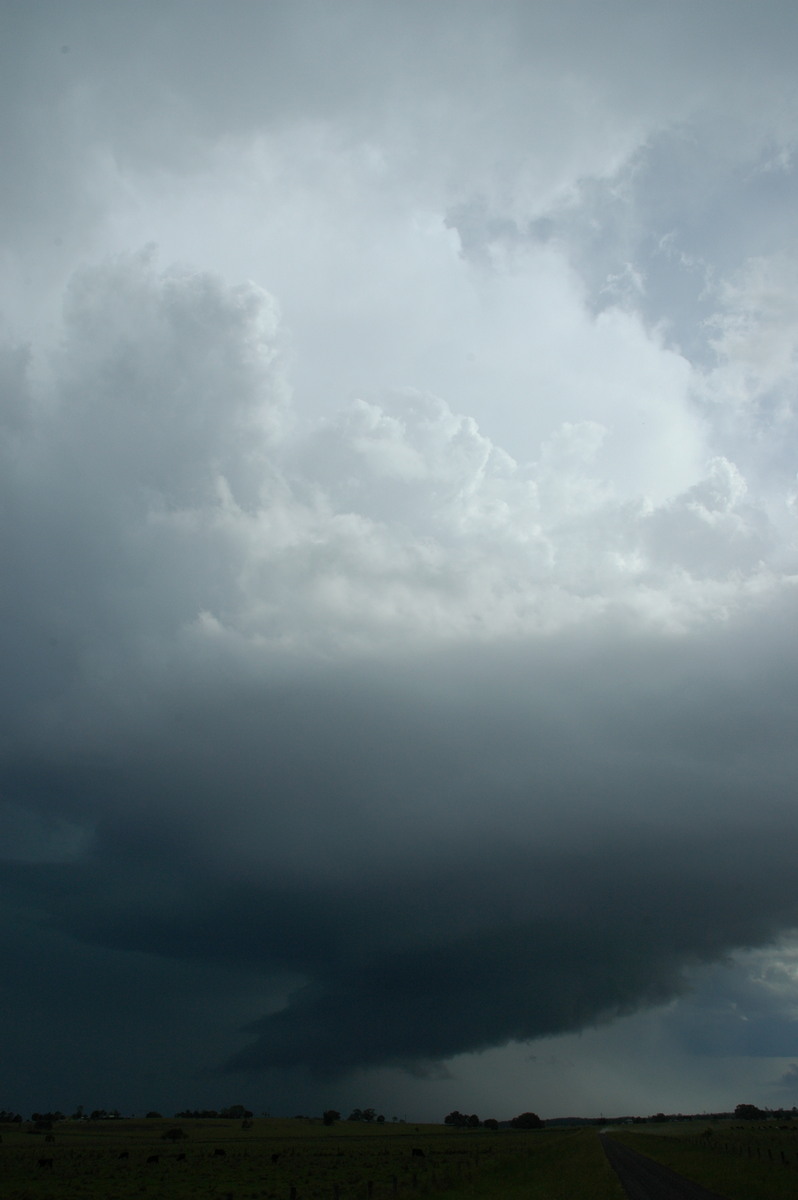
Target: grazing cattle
46	1162
49	1137
154	1158
124	1154
275	1157
181	1158
218	1153
418	1152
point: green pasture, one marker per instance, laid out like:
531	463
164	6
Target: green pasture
304	1160
299	1160
740	1160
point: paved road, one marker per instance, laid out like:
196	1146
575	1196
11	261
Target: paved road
644	1179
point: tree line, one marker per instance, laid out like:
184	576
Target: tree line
525	1120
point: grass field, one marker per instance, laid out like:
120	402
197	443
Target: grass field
299	1160
304	1160
743	1161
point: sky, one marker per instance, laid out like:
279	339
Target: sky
398	657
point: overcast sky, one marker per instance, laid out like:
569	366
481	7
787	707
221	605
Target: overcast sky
398	557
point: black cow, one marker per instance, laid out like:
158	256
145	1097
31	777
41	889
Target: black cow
154	1158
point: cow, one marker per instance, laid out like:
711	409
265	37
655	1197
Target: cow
181	1158
418	1152
46	1162
124	1154
218	1153
154	1158
275	1157
49	1137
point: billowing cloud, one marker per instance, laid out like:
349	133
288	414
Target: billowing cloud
397	619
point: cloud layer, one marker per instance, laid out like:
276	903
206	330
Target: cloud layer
398	646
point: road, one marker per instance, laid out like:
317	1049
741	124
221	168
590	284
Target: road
644	1179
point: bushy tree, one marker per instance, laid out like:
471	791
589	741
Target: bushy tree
748	1112
362	1114
456	1118
462	1121
331	1116
527	1120
491	1123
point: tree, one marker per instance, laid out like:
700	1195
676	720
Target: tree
362	1114
527	1120
473	1121
456	1118
331	1116
748	1112
491	1123
45	1120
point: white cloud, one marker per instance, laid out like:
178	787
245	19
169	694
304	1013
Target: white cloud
165	436
756	340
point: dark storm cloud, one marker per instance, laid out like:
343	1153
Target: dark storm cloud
449	855
408	850
382	742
